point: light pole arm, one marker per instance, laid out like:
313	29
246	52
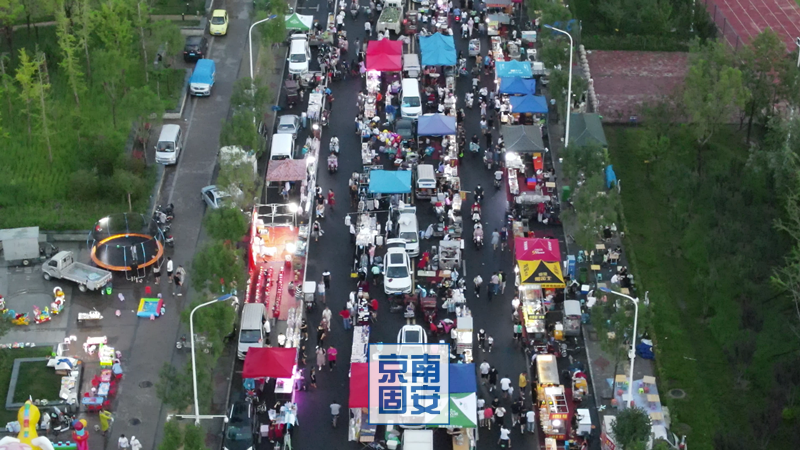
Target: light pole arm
569	82
250	40
632	352
194	360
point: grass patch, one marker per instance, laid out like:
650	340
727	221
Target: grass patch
704	247
37	381
7	357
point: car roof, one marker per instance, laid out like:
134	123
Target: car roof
218	12
392	256
288	118
195	39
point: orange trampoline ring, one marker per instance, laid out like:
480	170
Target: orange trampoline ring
123	268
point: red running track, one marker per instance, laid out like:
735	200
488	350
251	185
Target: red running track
749	17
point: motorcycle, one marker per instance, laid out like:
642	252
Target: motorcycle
354	10
325	115
477	237
474	147
169	240
498	179
478	194
168	210
182	343
469	99
334	145
333	164
487	159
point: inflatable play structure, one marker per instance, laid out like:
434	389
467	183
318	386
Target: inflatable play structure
28	439
150	307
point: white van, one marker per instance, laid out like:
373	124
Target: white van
282	146
426	181
410	100
251	329
299	54
169	144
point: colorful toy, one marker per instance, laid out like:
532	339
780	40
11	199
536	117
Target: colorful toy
27	439
80	435
150	307
40	316
59	299
16	319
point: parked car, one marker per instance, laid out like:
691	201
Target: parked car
397	278
196	47
241	427
218	26
408	229
412	334
405	129
214	197
289	124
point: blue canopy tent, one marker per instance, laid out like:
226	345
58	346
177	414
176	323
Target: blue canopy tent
462	378
389	181
438	50
436	125
611	177
517	86
528	104
507	69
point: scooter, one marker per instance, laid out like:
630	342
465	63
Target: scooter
478	238
469	99
168	210
334	145
498	179
169	240
478	194
354	10
474	147
333	164
488	160
325	115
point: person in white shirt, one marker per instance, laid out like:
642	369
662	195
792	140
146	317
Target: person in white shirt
135	444
484	368
505	385
481	402
515	304
123	442
170	269
530	416
505	435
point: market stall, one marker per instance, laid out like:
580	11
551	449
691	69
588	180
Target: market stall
438	50
389	182
519	141
463	406
524	110
442	127
280	364
510	69
358	429
572	318
498	23
384	63
464	337
299	22
517	86
554	410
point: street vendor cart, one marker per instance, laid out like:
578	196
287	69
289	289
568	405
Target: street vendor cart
449	256
464	337
572	318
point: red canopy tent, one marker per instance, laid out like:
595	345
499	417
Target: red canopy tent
359	385
385	56
269	362
286	170
533	249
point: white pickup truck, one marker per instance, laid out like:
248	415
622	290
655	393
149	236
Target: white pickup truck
391	17
64	266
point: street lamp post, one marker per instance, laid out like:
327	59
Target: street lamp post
194	361
250	40
569	83
632	352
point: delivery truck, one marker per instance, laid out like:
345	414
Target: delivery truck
64	266
391	17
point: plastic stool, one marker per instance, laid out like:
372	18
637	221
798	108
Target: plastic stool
391	444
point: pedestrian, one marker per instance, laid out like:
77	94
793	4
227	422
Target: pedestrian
157	271
317	231
304	329
326	316
515	305
516	409
495	239
494	284
373	308
320	358
367	29
321	335
135	444
482	339
499	415
505	437
180	277
478	281
331	199
313	377
326	278
169	275
530	419
489	343
502	275
505	385
321	291
123	442
332	358
488	417
116	370
106	420
484	368
517	332
523	383
523	420
345	315
492	379
503	238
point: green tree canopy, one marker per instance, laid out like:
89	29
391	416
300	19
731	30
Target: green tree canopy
632	428
226	224
216	267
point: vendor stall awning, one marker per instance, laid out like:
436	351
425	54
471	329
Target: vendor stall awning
462	378
517	86
286	170
546	274
533	249
269	362
389	181
385	56
534	104
299	22
522	138
586	129
438	50
359	385
463	409
506	69
436	125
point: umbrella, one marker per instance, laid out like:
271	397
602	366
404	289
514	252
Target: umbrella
463	410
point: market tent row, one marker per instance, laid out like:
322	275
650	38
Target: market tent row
389	181
359	385
436	125
286	170
508	69
586	129
517	86
546	274
385	56
438	50
522	138
463	399
528	104
299	22
269	362
535	249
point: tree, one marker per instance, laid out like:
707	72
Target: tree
112	66
8	88
83	21
27	79
35	9
10	12
760	62
631	427
614	11
173	436
595	208
69	45
146	110
214	321
713	90
42	87
165	39
217	267
194	438
273	31
174	388
142	18
241	130
253	101
226	224
129	184
241	181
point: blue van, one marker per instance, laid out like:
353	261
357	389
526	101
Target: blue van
203	78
